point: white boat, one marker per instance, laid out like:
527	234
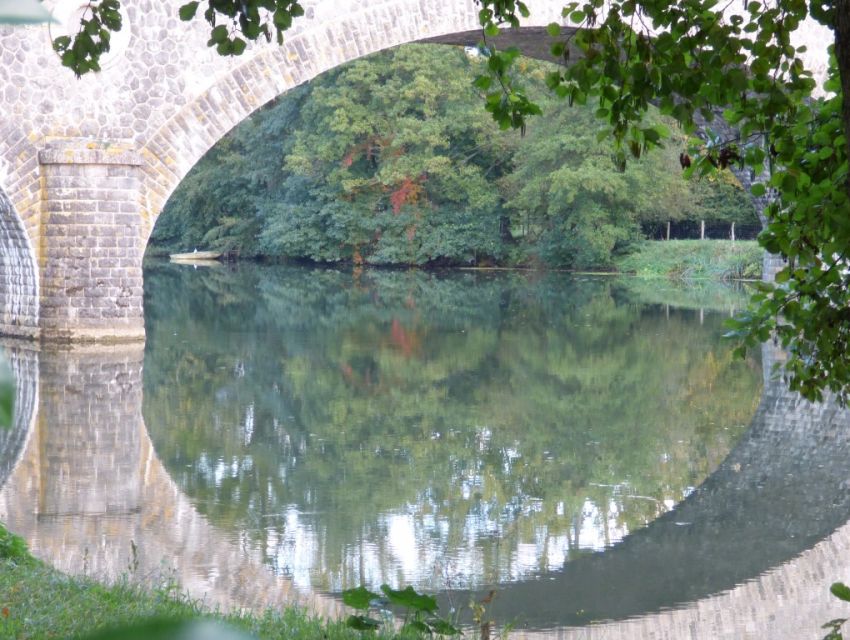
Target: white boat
196	256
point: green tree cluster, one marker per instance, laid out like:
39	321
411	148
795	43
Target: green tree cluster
390	160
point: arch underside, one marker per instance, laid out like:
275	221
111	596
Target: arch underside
19	302
177	146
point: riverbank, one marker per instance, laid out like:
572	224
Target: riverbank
695	259
719	260
37	601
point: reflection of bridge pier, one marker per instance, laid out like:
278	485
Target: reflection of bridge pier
76	487
89	495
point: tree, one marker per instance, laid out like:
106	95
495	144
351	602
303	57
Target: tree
390	159
692	58
395	165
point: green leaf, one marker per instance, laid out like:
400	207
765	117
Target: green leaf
758	189
840	591
237	47
483	82
417	625
359	598
409	598
219	34
553	29
188	10
61	43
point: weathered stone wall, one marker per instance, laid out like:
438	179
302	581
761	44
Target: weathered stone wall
19	303
91	275
771	265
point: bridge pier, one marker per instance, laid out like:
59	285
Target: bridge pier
90	251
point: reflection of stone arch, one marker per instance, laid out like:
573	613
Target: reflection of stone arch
794	459
24	365
81	480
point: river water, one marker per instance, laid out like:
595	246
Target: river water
430	429
585	446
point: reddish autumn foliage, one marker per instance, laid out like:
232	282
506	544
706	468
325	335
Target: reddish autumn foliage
406	193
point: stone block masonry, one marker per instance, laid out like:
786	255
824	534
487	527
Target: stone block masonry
90	253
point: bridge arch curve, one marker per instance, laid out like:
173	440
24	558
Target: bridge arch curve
317	44
19	299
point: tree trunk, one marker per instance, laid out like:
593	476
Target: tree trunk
732	232
668	229
505	234
842	54
702	229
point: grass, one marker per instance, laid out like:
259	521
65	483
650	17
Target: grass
36	601
695	259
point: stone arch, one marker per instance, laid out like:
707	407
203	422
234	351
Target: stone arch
316	45
172	149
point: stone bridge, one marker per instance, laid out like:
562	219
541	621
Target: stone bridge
87	165
80	480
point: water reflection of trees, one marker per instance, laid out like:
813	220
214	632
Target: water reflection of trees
504	422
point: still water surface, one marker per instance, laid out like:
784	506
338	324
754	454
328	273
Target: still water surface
441	430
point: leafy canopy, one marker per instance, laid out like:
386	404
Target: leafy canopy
693	58
390	159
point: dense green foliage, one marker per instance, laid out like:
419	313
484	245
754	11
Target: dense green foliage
808	309
692	259
390	160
